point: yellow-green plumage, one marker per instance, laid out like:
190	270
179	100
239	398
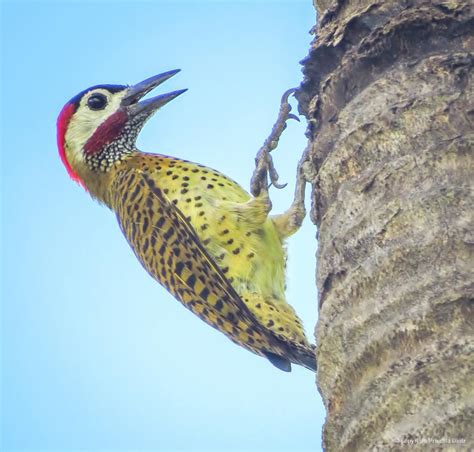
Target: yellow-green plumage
197	232
212	246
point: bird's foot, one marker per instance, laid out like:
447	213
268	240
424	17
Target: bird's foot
264	167
290	221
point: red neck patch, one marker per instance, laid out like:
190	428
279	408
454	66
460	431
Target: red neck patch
63	121
107	132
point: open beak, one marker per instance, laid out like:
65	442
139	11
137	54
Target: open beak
149	106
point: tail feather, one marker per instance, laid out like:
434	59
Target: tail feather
304	356
278	361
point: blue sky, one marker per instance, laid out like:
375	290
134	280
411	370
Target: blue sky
95	354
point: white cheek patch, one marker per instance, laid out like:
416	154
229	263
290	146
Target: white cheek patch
85	122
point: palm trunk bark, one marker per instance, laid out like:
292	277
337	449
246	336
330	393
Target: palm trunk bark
388	97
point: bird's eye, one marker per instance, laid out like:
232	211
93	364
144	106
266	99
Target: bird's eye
97	102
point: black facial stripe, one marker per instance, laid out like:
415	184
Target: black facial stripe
110	88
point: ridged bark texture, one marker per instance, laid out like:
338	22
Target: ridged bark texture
388	96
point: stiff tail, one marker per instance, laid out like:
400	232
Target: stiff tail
303	356
278	361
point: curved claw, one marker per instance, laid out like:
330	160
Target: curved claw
287	94
279	186
274	174
292	116
264	164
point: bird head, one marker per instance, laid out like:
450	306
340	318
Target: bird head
100	125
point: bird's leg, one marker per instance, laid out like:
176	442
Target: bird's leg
264	162
290	221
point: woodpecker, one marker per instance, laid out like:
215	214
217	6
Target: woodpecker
211	244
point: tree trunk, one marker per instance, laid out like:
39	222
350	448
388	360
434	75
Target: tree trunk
388	96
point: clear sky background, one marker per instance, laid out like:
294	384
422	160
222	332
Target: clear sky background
95	354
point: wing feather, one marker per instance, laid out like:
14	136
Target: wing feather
168	247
